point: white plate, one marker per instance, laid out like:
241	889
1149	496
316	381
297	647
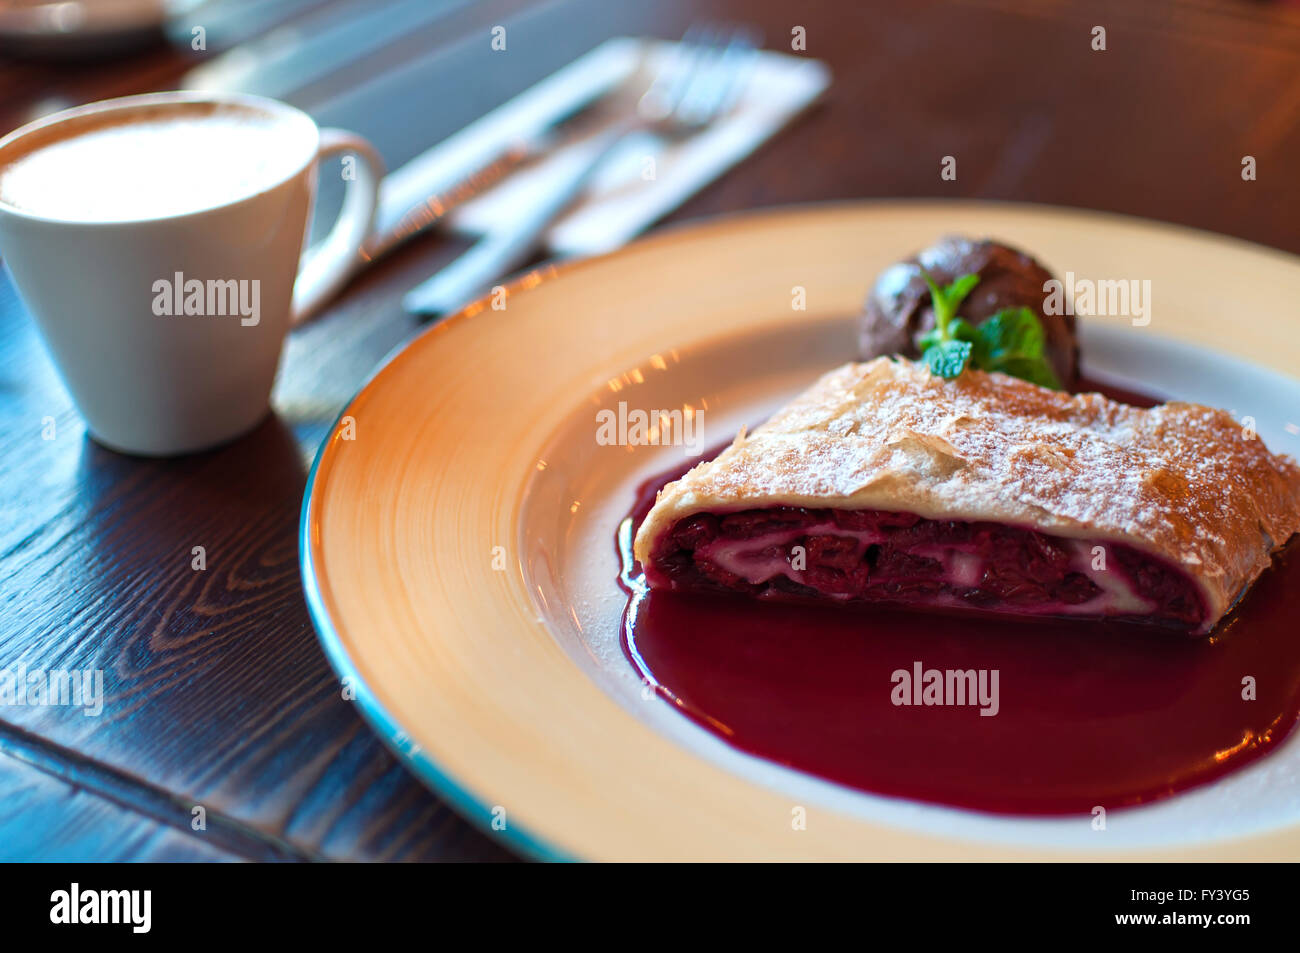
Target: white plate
458	549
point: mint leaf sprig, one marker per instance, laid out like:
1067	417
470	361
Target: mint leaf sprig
1012	341
947	347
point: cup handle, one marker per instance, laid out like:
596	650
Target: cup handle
328	264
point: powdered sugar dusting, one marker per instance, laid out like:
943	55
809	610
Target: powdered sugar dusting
1181	481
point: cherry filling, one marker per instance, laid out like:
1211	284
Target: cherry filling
793	553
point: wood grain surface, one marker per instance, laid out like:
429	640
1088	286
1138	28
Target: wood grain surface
217	694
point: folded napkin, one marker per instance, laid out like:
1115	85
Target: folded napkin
648	175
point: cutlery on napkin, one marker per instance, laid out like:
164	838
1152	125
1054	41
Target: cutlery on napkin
646	176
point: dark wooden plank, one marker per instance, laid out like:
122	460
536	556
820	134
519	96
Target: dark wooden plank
216	690
43	818
214	686
1155	126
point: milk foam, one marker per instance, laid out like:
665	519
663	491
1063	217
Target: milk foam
151	164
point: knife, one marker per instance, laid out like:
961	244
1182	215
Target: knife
423	191
500	252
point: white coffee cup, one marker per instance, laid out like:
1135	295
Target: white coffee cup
101	284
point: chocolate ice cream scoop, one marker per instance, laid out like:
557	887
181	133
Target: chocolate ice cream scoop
898	307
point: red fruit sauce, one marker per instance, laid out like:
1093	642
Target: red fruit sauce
1088	713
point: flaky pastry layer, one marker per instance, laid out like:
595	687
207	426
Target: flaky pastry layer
1180	481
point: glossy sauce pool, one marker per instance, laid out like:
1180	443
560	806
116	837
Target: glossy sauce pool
1088	714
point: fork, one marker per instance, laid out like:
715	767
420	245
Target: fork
695	86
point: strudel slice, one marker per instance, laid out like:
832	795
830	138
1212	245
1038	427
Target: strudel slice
883	483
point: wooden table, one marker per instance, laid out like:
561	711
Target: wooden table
216	694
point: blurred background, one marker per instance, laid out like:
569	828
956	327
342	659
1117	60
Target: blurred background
1151	126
